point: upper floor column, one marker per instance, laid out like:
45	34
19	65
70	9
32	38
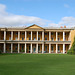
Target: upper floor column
42	35
25	35
37	35
18	35
56	36
11	35
31	35
69	36
4	35
63	36
49	36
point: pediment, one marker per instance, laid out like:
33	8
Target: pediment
34	27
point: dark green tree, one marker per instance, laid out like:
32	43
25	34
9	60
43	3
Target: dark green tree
72	50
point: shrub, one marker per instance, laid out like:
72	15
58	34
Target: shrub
69	52
22	50
0	51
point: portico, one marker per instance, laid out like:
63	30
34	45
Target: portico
35	39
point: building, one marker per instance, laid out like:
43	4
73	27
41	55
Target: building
36	39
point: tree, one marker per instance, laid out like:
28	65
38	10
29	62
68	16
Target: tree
72	50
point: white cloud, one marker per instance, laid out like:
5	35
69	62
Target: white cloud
68	21
7	19
65	21
66	6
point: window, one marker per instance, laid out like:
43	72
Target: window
45	38
58	39
10	33
66	33
58	48
38	48
23	33
29	38
34	38
58	33
29	47
22	47
52	48
15	38
16	33
52	39
15	47
45	33
46	48
34	33
52	33
29	33
9	47
39	38
22	38
39	33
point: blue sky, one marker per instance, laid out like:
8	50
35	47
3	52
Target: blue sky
50	12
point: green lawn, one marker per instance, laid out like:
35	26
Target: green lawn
37	64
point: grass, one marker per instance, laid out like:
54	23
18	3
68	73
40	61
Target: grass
37	64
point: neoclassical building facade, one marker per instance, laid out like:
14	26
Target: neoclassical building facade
36	39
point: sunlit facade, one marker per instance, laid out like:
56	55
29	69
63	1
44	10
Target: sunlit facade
36	39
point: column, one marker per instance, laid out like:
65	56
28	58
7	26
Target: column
63	48
63	36
25	35
49	48
37	48
18	47
4	35
49	36
37	35
56	48
56	36
31	35
18	35
43	48
11	35
31	48
43	36
69	36
25	47
11	47
4	47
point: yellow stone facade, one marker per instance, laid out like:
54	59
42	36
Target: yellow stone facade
36	39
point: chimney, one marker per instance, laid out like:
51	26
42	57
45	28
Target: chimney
64	26
61	27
